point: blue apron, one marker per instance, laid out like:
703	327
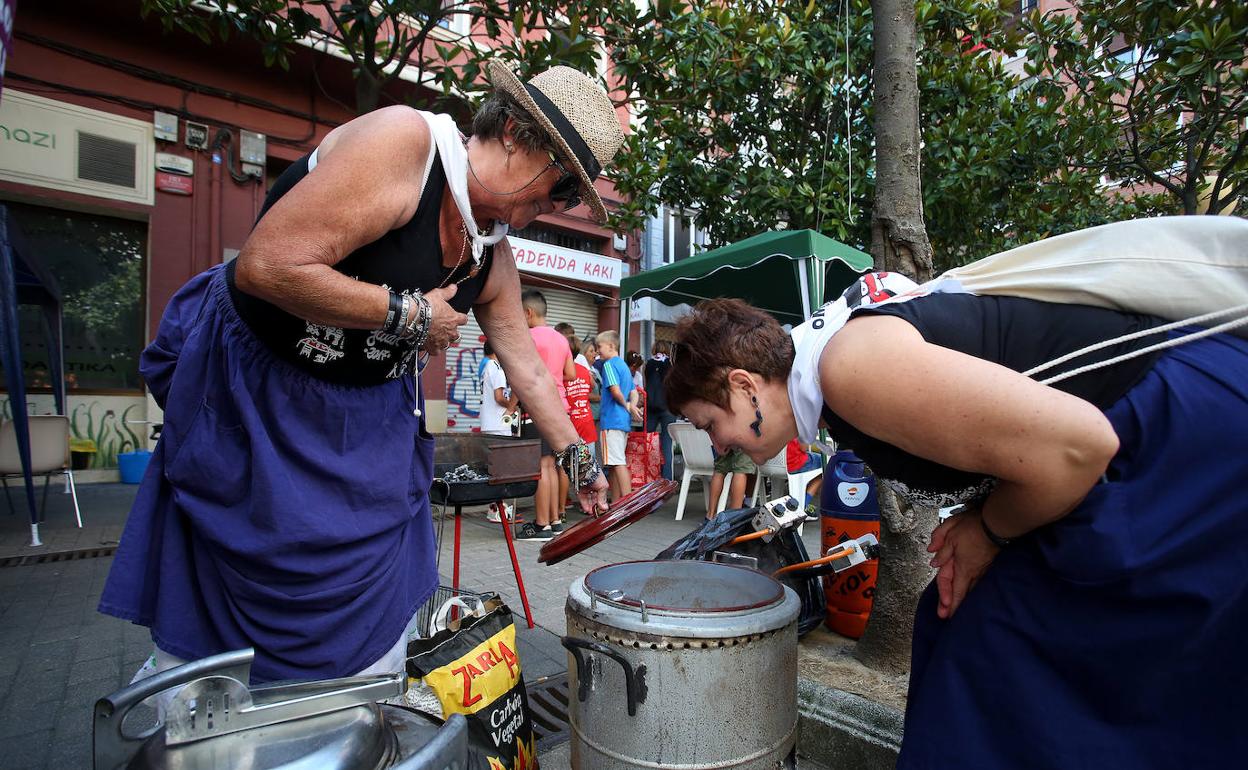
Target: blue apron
1113	638
279	511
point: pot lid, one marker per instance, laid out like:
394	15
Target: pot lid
591	531
687	587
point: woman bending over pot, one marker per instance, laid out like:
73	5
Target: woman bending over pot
1091	601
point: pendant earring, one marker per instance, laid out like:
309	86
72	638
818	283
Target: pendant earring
759	417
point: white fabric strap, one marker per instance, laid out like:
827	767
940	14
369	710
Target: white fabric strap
1193	321
454	156
1212	330
448	144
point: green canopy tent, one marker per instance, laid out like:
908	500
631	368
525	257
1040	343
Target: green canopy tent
788	273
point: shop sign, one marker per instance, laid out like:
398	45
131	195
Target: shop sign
571	264
174	183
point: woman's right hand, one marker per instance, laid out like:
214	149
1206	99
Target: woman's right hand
446	320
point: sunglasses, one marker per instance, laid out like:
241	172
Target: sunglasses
566	189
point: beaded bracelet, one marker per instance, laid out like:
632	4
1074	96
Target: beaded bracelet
418	323
580	465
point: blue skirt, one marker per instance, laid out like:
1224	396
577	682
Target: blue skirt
279	511
1115	637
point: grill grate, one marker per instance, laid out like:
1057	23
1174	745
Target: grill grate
55	556
548	705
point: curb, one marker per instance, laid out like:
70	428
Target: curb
840	729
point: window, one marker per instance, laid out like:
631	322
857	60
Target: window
681	237
559	238
99	263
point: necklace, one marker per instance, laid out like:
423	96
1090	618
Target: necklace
463	251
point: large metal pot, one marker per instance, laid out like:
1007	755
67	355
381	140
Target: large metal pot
682	665
216	722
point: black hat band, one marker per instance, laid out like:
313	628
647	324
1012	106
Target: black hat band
570	135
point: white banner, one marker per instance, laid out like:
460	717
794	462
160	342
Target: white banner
559	262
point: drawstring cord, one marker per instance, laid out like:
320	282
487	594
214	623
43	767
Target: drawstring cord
1223	327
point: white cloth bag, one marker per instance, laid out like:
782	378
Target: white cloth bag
1177	268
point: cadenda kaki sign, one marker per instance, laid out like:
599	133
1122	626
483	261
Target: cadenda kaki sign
571	264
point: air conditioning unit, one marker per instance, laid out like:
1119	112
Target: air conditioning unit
61	146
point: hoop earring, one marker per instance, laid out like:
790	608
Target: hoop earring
755	426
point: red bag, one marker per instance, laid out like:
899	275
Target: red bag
644	458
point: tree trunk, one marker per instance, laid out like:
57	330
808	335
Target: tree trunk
367	92
899	243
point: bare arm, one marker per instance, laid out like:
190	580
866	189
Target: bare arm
366	183
569	370
1046	447
501	317
500	399
616	394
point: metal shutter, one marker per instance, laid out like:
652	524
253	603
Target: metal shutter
574	307
463	388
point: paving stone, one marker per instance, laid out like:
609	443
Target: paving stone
29	752
75	753
94	669
22	717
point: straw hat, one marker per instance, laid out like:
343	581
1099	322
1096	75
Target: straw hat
578	115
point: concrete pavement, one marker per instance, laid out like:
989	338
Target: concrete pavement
58	655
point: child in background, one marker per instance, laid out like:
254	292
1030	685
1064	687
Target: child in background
742	468
619	409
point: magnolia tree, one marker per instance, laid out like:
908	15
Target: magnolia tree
1151	96
443	45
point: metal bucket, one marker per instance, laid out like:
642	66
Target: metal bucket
682	665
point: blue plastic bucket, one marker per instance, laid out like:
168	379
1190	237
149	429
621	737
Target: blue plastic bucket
132	465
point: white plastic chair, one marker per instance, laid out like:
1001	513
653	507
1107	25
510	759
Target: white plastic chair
699	457
49	454
777	469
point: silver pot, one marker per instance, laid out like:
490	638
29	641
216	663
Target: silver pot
216	722
682	665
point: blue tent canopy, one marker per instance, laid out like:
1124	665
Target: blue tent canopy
24	280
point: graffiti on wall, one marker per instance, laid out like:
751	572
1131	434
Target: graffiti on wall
103	420
463	387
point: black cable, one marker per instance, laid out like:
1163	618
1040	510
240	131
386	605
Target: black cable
224	138
146	73
140	104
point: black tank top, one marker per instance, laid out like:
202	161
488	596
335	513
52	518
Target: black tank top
1018	334
405	259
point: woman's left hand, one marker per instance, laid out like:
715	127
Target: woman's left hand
594	499
963	553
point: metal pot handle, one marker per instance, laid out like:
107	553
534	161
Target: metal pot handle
634	678
113	747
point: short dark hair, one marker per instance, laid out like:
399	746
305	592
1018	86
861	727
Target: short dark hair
565	328
661	346
718	336
534	300
492	117
489	349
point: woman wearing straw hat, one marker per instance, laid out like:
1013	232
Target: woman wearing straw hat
286	506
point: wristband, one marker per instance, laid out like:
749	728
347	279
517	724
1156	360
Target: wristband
392	314
993	537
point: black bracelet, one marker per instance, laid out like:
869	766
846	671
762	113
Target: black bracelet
392	315
993	537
